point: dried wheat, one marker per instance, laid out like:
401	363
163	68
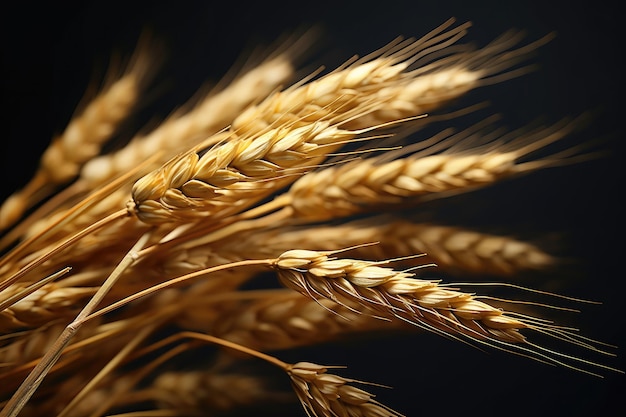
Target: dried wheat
25	346
226	179
44	305
320	393
478	159
423	303
274	320
210	391
409	76
205	233
452	248
394	293
84	135
181	131
324	394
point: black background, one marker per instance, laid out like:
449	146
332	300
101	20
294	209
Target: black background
51	53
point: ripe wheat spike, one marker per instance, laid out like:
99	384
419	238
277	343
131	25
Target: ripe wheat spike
282	212
455	249
86	133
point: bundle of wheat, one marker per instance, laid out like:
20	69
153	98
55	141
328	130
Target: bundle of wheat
278	211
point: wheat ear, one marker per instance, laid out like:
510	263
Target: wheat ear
279	319
423	303
410	76
24	346
209	390
44	305
473	158
180	131
397	295
228	178
205	196
85	134
288	139
452	248
321	394
184	130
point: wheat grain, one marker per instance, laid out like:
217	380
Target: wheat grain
320	393
25	346
177	133
104	206
453	248
68	388
46	304
286	140
93	399
464	251
315	274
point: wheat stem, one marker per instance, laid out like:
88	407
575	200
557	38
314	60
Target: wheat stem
61	246
32	288
109	367
231	345
174	281
34	379
76	210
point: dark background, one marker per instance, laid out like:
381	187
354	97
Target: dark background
51	53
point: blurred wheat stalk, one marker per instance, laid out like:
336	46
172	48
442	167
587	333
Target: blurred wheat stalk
128	260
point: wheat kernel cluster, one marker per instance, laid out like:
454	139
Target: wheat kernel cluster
273	213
